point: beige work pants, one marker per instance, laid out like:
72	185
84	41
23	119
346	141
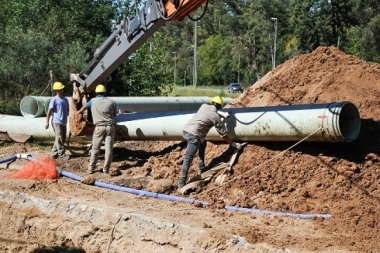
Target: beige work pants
106	134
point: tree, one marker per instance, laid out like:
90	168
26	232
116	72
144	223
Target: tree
39	36
146	72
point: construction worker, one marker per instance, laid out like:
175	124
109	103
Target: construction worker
195	132
59	108
103	111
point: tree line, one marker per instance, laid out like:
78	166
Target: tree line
230	41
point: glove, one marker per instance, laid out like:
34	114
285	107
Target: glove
47	126
225	115
237	145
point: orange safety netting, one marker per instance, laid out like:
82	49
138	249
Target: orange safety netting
39	169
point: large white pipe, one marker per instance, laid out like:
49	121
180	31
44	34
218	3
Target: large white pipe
161	104
337	122
33	106
37	106
334	122
34	127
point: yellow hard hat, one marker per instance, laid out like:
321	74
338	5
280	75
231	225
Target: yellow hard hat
58	86
100	89
217	100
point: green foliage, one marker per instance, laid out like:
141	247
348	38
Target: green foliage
208	91
146	72
39	36
235	42
214	66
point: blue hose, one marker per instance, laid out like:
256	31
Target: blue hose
131	190
147	193
176	198
8	159
188	200
293	215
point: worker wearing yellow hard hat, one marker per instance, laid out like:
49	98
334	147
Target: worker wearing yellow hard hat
58	86
59	110
103	111
195	132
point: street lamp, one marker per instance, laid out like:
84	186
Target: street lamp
175	66
274	44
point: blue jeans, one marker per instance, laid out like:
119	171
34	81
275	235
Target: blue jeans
194	144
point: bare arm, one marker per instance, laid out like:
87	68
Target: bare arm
84	108
48	114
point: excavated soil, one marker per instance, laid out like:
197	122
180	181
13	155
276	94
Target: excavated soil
298	184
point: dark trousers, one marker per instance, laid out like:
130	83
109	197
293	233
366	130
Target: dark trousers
194	144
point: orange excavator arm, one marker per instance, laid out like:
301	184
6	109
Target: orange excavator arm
180	9
128	36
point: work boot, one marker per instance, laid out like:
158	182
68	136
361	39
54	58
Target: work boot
54	156
201	170
64	157
182	182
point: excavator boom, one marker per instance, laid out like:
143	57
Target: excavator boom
128	36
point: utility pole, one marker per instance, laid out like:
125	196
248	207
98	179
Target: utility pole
239	70
195	56
175	67
274	43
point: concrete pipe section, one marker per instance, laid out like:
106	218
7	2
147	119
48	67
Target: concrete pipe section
33	106
332	122
32	127
161	104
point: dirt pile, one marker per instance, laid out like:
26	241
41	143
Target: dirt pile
339	179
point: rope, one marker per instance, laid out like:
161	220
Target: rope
281	153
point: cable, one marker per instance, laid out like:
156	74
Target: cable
201	16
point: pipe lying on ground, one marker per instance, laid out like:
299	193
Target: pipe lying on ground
161	104
34	106
37	106
131	190
32	127
187	200
337	121
15	157
173	198
293	215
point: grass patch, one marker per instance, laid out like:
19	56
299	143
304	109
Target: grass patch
209	91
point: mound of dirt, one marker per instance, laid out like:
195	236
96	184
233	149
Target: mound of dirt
336	179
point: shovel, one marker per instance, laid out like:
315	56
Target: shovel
222	177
